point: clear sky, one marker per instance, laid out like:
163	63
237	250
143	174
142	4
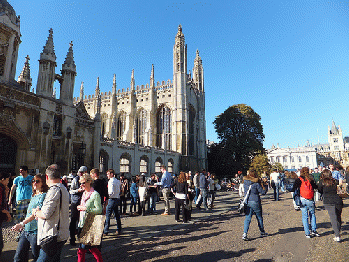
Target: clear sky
287	59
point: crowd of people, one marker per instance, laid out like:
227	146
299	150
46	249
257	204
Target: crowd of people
305	184
42	202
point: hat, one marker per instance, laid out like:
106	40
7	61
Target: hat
82	169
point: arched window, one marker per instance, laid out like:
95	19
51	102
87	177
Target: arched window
140	126
191	140
163	127
104	124
103	161
57	125
143	165
125	163
170	165
158	163
120	125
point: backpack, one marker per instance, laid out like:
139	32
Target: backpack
306	189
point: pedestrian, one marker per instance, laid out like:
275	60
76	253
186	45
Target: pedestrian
333	203
113	202
166	183
306	184
100	186
254	205
275	183
28	237
211	189
75	197
90	203
153	192
53	215
181	196
123	193
142	192
203	190
335	173
4	214
23	187
241	184
196	185
290	180
134	196
191	195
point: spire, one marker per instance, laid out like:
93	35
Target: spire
24	78
133	80
82	92
69	62
49	52
334	129
197	58
152	81
114	85
97	90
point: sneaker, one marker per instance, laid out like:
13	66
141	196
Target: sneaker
307	236
165	214
315	234
337	239
263	234
244	237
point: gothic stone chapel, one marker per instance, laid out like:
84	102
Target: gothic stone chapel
133	130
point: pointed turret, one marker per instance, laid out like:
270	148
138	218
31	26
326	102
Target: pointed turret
132	84
24	78
97	97
113	110
47	65
198	72
114	84
152	81
68	77
82	92
97	90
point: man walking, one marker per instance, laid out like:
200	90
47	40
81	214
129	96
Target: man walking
196	186
54	214
166	183
275	183
203	189
23	187
75	196
114	186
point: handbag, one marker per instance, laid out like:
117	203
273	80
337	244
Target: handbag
49	243
297	197
243	202
92	230
342	190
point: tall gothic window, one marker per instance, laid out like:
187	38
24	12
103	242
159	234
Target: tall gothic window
125	163
158	163
191	140
140	126
170	165
163	126
57	125
143	165
104	124
120	125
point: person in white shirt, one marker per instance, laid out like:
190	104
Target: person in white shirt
114	186
275	183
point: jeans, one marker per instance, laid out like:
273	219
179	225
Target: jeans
113	206
27	240
204	194
74	217
253	207
308	212
276	187
335	213
43	257
133	203
153	198
166	195
197	193
123	205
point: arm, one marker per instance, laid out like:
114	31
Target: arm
13	188
50	204
94	206
74	188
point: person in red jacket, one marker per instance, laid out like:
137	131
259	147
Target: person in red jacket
306	184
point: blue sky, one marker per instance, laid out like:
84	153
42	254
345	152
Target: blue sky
288	60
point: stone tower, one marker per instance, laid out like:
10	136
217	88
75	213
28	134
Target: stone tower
68	78
9	41
335	138
47	66
24	78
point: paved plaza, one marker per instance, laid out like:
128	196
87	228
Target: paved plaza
215	235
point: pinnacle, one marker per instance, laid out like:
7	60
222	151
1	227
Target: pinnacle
49	47
69	60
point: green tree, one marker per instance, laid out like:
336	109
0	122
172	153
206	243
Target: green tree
278	166
241	137
261	164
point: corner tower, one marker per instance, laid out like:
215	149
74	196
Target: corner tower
9	41
68	77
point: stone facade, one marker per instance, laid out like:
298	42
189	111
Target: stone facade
133	130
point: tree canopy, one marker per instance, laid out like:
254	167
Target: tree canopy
261	164
241	138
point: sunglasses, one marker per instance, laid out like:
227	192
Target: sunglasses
83	183
36	181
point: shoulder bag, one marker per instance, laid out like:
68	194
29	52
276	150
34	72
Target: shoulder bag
243	203
92	230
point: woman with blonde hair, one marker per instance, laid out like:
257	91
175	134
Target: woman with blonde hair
90	203
333	203
306	184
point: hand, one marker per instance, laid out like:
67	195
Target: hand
81	208
9	202
17	227
9	218
80	190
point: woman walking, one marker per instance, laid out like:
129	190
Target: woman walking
306	184
90	203
134	196
333	203
181	195
28	238
255	187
